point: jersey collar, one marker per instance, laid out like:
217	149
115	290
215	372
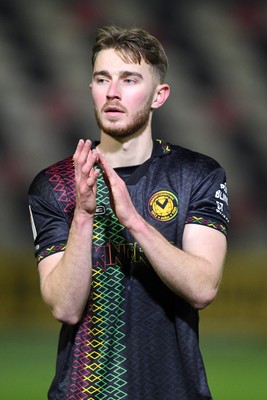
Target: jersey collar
160	149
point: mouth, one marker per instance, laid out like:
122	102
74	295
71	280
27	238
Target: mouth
113	109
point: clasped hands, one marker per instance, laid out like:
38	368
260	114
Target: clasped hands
86	176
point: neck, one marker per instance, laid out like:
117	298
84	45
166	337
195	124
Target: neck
126	152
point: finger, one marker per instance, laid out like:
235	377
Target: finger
84	152
105	166
91	160
78	149
91	181
80	155
82	149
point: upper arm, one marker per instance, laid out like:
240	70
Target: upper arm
47	265
207	243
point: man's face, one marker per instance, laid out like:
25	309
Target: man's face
122	93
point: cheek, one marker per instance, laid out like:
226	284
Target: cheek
98	97
140	100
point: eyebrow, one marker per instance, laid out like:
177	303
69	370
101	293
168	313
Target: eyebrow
123	74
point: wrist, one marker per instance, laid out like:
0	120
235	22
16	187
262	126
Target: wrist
82	217
136	224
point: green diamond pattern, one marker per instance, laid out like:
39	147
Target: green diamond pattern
105	347
106	227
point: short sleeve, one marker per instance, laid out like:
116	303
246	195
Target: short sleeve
50	226
209	200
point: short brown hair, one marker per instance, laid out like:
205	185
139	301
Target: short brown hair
133	45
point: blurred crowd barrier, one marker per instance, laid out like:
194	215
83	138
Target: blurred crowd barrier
239	309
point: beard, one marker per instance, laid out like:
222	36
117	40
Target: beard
138	122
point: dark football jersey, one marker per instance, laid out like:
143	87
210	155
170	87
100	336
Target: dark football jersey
136	340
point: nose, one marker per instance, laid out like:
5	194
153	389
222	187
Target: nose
113	91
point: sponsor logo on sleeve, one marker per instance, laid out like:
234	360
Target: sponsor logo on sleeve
221	196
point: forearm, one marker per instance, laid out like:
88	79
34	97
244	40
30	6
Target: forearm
190	276
67	285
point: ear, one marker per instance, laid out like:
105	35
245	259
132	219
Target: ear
90	86
162	92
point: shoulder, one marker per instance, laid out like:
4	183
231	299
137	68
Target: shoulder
193	158
190	164
59	172
175	159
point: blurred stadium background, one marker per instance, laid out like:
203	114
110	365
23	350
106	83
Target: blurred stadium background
218	106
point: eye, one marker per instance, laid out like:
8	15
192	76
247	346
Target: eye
101	81
130	81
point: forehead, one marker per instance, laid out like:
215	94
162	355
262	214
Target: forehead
112	61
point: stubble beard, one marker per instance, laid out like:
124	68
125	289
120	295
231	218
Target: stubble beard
138	123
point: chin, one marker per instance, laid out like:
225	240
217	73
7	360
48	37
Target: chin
118	134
